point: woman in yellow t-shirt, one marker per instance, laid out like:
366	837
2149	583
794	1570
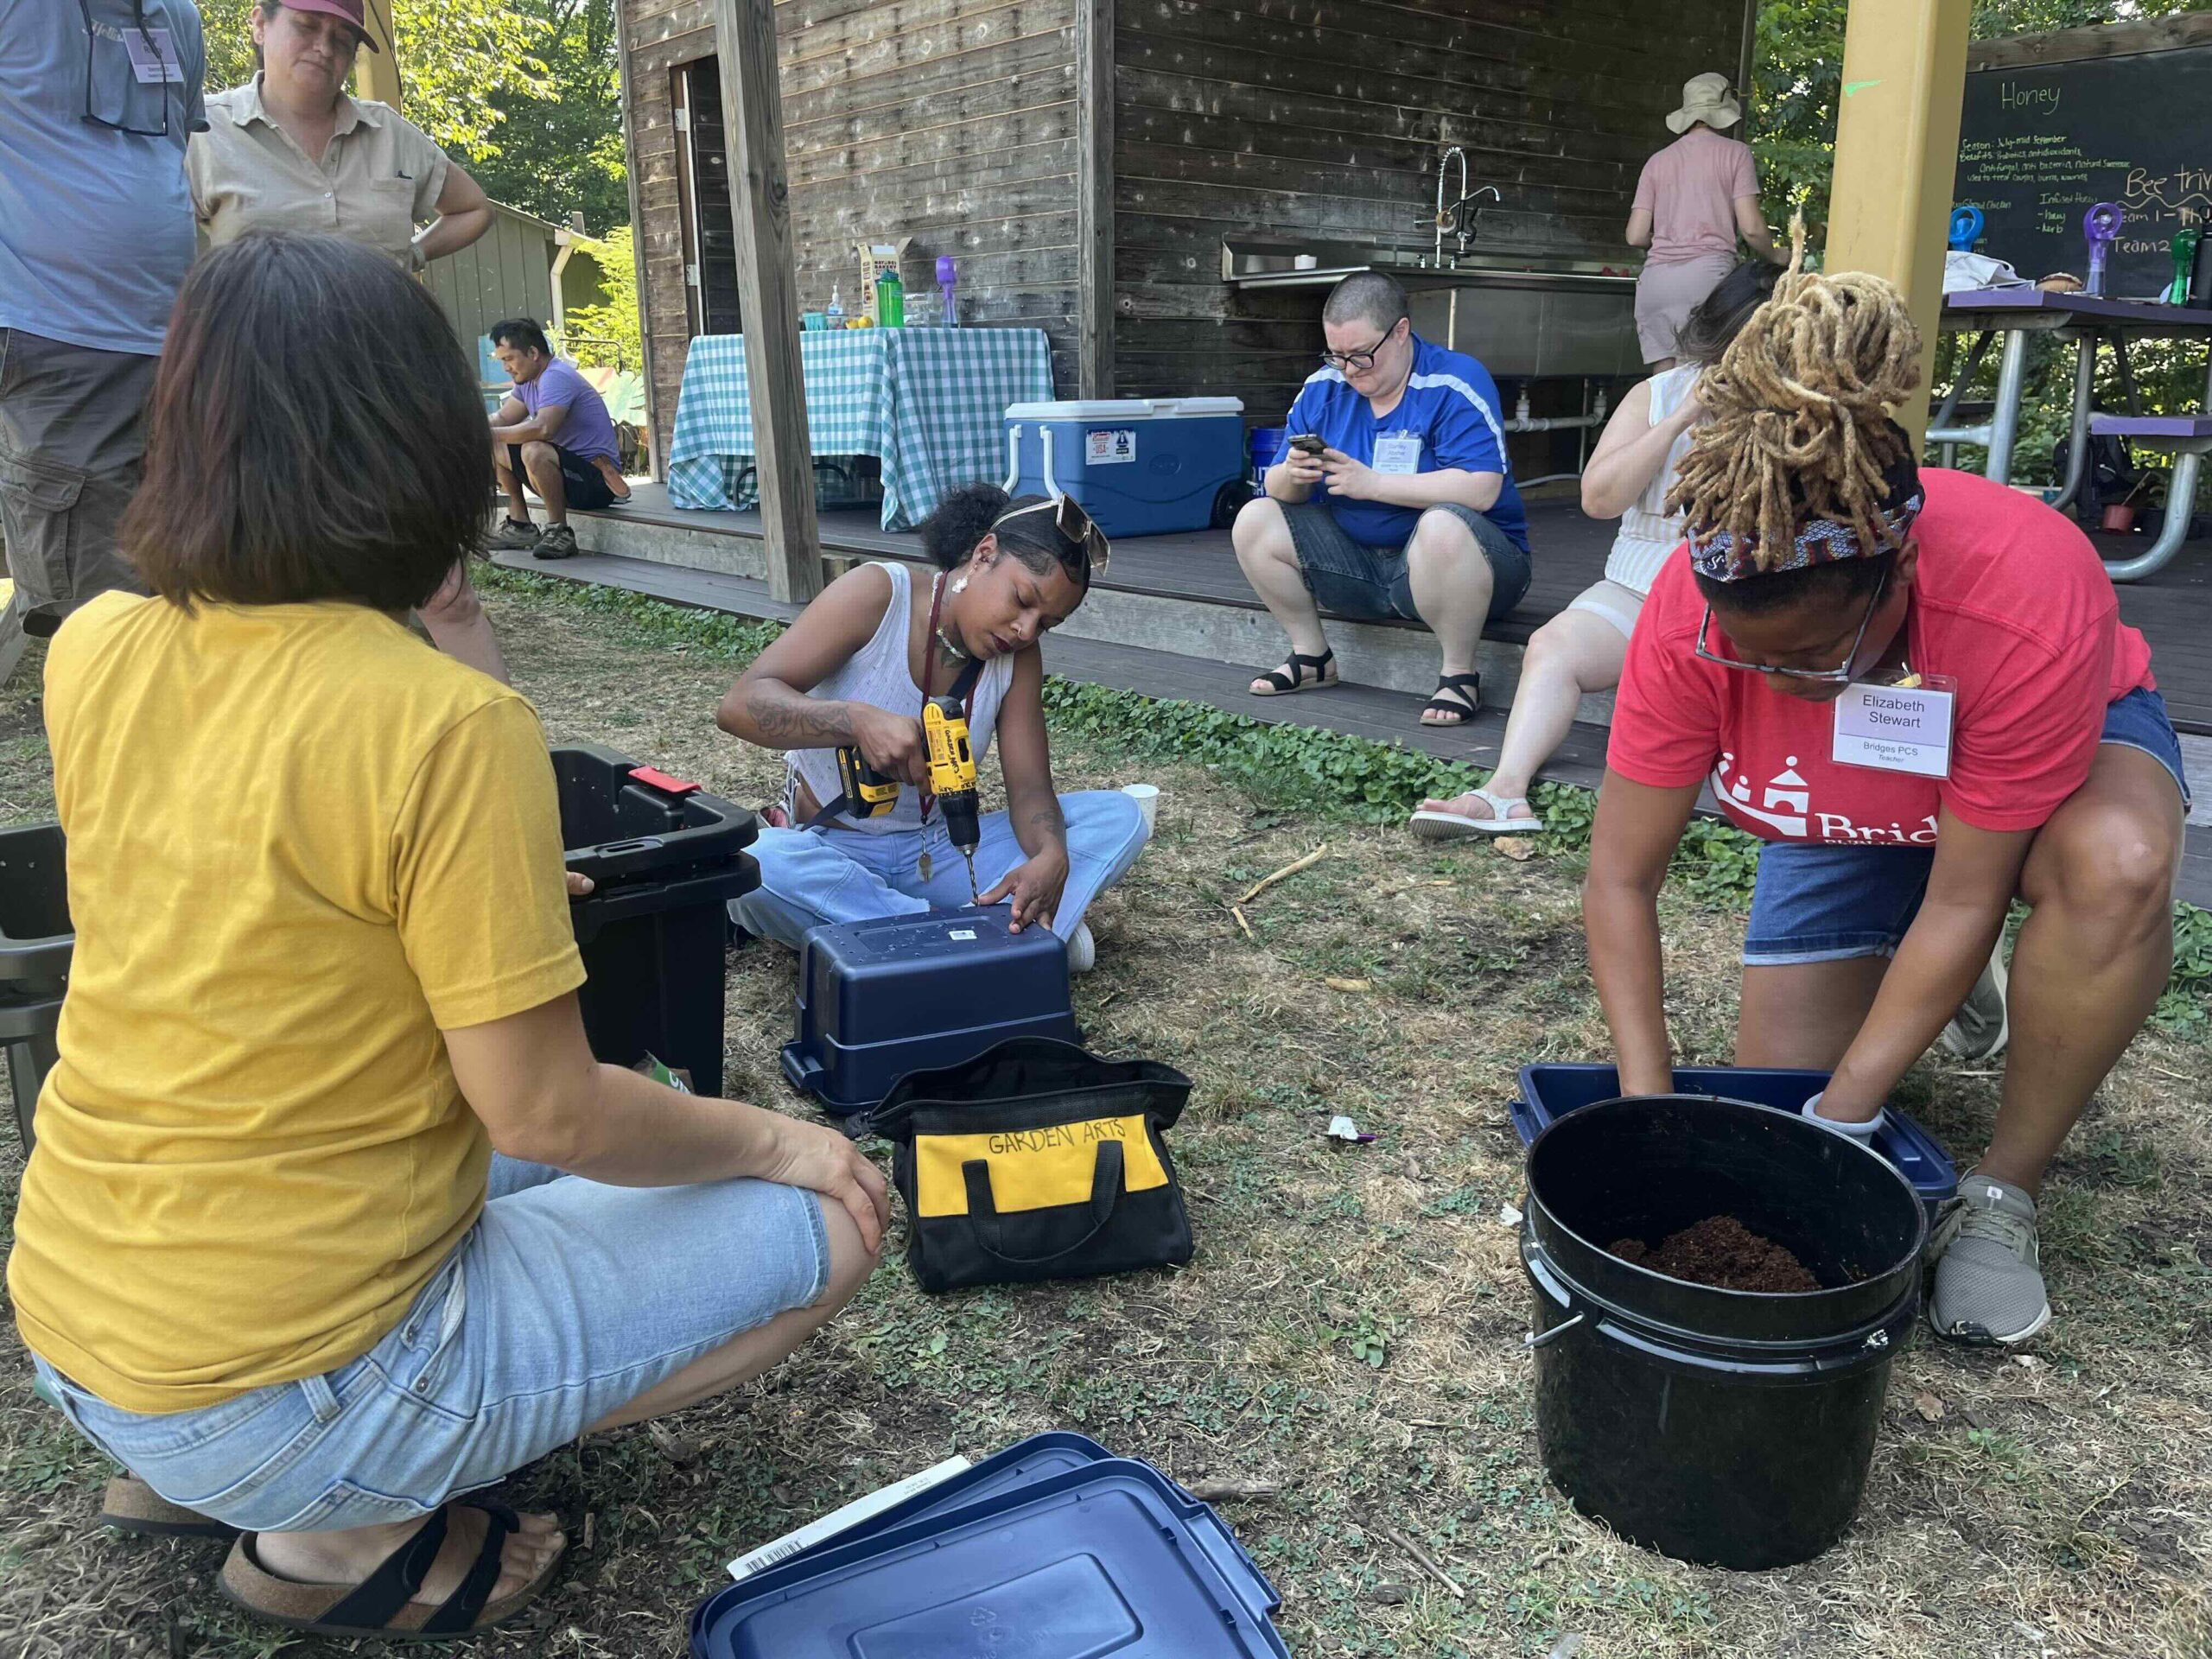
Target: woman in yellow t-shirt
332	1215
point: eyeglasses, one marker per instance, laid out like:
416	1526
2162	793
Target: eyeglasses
1838	676
1074	524
1359	362
153	51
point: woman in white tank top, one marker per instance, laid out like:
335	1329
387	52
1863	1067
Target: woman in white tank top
855	668
1579	651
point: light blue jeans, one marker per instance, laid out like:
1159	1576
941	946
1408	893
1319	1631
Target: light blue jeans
567	1300
809	877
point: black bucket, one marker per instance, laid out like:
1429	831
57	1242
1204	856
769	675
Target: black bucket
1728	1428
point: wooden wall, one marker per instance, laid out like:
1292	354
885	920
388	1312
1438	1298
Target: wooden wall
1328	116
950	122
509	273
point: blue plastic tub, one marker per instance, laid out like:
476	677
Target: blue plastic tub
1028	1463
1265	446
1139	467
879	998
1099	1559
1549	1091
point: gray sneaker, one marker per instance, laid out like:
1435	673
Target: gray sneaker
514	537
558	542
1988	1268
1979	1030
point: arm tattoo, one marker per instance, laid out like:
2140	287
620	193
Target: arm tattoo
1042	818
793	720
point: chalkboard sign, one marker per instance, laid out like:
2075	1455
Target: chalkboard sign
2039	145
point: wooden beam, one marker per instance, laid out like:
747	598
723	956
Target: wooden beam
1093	82
655	462
1897	153
2072	45
753	119
377	72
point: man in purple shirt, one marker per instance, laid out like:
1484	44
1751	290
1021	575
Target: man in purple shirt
554	429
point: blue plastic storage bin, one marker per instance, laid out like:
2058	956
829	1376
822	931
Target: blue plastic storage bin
1102	1558
1547	1092
1139	467
879	998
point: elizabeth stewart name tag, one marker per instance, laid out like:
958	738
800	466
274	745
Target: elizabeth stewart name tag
1894	728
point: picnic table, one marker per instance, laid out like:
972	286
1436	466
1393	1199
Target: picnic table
2088	320
929	403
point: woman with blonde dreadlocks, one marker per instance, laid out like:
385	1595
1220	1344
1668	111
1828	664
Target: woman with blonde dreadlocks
1915	688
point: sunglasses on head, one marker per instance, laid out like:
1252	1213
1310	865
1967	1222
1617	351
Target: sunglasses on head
1074	524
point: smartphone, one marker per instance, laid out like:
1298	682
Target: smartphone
1307	443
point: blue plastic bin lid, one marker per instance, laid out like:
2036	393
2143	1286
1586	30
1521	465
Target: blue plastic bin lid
1038	1459
1097	1559
1549	1090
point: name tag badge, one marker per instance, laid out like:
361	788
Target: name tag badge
155	63
1896	727
1398	457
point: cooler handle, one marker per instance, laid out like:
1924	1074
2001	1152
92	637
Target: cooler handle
1052	484
1014	457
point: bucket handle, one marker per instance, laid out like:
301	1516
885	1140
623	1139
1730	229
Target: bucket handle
1534	1340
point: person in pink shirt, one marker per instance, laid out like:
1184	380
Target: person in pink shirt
1696	198
1915	687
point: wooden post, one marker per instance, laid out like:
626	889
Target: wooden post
638	245
379	72
1897	152
1094	91
752	117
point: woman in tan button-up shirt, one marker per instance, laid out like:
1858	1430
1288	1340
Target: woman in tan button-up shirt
290	150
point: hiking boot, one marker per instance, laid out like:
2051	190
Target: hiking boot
1979	1030
514	535
1988	1269
558	542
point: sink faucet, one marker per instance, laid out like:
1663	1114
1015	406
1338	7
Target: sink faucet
1443	219
1464	213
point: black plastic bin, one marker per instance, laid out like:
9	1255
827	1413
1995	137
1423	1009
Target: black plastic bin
1732	1428
36	940
668	858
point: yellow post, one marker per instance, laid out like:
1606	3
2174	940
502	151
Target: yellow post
1897	151
377	73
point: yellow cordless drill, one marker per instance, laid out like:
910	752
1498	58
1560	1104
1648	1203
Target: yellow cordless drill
952	777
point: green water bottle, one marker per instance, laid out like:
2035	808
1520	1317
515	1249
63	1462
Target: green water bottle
2184	251
890	301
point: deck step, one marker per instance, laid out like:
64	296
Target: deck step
1212	626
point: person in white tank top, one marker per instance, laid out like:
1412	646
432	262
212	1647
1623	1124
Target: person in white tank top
855	668
1581	650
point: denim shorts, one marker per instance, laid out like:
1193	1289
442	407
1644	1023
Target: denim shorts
1816	902
1372	584
565	1301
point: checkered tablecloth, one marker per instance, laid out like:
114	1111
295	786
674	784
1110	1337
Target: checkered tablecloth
931	403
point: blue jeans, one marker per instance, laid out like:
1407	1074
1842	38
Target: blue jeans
810	877
1373	584
567	1300
1816	902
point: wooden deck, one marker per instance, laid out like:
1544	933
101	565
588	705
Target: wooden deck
2173	609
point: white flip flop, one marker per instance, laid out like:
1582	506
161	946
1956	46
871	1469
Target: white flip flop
1430	824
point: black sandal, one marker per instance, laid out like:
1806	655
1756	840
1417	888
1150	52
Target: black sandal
382	1605
1284	685
1468	685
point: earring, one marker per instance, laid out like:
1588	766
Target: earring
960	585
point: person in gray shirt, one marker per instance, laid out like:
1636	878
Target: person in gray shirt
97	100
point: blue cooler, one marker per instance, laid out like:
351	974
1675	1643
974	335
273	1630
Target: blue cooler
880	998
1139	467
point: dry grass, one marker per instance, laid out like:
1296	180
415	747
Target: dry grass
2059	1502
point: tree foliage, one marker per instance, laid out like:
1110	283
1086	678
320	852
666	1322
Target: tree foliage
609	333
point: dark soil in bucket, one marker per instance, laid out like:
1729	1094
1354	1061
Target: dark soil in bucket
1723	1252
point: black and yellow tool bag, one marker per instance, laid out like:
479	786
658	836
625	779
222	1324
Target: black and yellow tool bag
1036	1159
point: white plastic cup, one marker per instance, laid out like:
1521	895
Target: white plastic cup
1147	796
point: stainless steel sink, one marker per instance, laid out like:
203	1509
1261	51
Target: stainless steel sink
1522	314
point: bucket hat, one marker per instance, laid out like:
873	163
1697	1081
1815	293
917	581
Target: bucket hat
1706	98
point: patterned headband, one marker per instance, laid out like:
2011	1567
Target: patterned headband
1725	557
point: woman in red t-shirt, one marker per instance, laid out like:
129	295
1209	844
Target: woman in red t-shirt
1916	689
